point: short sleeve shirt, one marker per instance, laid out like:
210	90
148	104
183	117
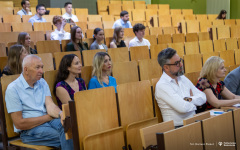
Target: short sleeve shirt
204	84
93	83
30	100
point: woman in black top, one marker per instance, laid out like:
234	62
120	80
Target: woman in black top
76	43
118	38
222	14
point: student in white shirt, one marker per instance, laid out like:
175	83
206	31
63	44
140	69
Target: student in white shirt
59	33
176	96
68	15
139	31
25	8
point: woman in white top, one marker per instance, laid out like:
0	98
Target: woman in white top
98	40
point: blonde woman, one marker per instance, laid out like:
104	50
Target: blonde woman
118	38
216	92
102	67
25	40
15	57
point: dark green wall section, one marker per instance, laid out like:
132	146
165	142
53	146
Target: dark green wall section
90	4
234	8
198	6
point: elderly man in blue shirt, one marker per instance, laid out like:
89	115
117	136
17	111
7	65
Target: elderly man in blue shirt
123	21
35	116
40	11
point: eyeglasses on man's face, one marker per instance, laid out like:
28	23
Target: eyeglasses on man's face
177	63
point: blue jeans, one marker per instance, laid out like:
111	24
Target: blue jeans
49	134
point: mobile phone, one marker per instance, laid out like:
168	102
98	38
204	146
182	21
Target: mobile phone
68	20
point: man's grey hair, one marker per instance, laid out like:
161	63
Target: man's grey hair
28	60
165	55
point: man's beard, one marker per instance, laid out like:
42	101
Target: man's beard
178	73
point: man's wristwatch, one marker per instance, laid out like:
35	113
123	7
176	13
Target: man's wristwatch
59	114
189	99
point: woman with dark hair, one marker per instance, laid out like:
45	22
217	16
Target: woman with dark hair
15	58
222	14
25	40
102	68
67	82
76	43
118	38
98	39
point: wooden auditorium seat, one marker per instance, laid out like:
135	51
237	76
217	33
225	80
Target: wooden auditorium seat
119	54
48	46
179	47
206	46
21	27
139	53
100	127
50	77
149	69
59	55
88	56
205	56
47	59
148	134
125	72
192	63
192	133
158	113
139	105
155	49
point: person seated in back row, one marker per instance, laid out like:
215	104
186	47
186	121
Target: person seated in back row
35	116
123	21
77	43
117	40
25	8
98	39
175	94
102	68
67	82
71	18
40	11
222	14
59	33
210	83
139	31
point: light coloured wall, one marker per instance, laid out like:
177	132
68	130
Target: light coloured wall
215	6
